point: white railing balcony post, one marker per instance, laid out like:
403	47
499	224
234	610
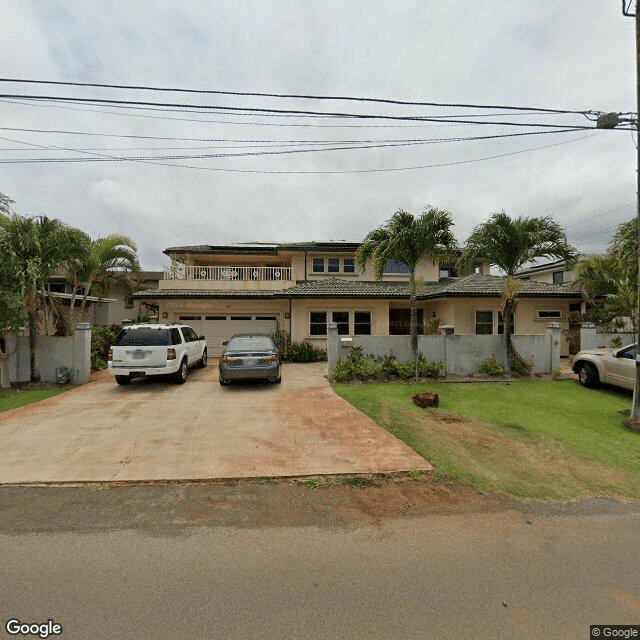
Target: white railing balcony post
244	273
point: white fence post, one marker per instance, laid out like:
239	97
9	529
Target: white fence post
82	353
333	345
588	337
553	332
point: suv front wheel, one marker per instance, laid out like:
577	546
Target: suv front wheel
180	376
588	375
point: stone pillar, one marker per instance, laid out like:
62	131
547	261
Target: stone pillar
333	345
82	353
554	334
588	337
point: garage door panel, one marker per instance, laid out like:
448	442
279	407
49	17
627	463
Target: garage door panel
218	331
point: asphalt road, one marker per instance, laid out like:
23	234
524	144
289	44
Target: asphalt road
245	561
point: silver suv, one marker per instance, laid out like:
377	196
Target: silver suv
156	349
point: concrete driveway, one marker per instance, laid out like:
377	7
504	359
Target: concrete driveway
156	430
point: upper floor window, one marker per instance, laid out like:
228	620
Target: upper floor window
396	268
561	277
333	264
448	272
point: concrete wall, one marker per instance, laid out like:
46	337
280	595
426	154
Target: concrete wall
52	353
461	354
591	338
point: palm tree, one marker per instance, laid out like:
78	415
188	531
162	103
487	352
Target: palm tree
112	260
31	249
510	244
406	239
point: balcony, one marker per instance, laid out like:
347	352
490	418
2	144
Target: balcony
227	273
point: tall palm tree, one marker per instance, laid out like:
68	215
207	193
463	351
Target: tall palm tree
112	260
509	244
31	248
407	239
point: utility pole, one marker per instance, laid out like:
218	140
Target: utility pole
626	4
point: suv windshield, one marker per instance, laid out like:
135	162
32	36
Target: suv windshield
143	336
259	343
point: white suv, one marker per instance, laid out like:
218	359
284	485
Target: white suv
156	349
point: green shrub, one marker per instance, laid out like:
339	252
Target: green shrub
304	352
491	367
97	362
521	367
361	366
426	369
101	339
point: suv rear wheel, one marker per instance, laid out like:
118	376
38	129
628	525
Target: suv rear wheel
203	362
182	373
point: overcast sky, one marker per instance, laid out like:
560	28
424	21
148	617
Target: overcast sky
549	53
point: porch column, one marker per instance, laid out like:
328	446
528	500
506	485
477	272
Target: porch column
554	335
588	338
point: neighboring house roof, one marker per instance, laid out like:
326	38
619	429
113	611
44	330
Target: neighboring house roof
469	286
263	249
557	264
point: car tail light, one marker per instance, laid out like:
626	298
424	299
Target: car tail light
110	355
171	354
271	358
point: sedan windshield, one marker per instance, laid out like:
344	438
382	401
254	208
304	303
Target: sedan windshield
251	343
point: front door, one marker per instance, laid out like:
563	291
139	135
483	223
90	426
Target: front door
399	322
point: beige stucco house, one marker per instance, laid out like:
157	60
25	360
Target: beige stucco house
301	287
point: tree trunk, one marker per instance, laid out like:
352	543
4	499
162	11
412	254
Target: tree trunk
413	322
84	297
32	315
508	331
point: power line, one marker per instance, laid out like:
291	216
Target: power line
280	112
289	96
95	157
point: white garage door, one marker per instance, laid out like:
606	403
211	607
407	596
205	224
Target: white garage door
216	329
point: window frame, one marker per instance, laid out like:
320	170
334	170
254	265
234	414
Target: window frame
356	323
316	260
492	332
549	317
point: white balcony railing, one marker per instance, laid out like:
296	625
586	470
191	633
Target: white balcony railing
182	272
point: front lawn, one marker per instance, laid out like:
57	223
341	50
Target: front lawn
13	398
530	438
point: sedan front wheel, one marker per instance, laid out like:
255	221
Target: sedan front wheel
588	375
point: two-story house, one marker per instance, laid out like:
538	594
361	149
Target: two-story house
301	287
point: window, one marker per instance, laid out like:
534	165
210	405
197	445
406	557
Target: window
189	334
318	265
501	323
318	323
484	322
349	265
549	314
448	272
396	268
562	277
266	318
362	323
241	317
189	318
129	304
175	337
216	318
334	265
341	318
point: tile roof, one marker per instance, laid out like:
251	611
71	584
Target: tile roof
473	285
263	248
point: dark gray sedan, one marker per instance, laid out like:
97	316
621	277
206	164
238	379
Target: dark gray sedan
250	356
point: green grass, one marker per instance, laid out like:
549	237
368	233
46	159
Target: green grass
13	398
530	438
